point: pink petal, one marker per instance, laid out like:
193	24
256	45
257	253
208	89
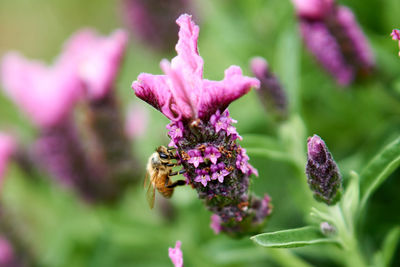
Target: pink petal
312	8
216	223
175	254
217	95
154	90
7	148
45	94
98	59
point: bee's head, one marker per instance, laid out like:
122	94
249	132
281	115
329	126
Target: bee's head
163	153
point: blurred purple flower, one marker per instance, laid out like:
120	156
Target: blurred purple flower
7	149
333	35
271	93
215	223
153	20
202	132
46	94
7	257
175	254
97	58
396	36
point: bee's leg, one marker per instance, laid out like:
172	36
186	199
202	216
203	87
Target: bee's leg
177	183
176	173
170	164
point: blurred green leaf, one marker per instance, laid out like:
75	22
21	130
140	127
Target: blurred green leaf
292	238
385	255
378	169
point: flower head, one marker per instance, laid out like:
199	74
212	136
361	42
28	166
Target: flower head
323	174
46	94
175	254
182	93
203	134
97	59
7	148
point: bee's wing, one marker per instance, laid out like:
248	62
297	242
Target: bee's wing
146	180
150	192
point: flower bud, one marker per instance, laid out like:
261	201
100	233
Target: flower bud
271	93
322	172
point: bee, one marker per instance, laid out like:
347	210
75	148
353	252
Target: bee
159	170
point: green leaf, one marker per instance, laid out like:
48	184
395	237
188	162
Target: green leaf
292	238
390	244
378	169
351	198
384	256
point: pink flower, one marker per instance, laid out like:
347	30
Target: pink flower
46	94
216	223
396	36
6	253
97	58
195	157
7	148
212	154
182	93
137	121
312	8
175	254
203	179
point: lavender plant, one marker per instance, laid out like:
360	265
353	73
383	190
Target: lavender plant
203	134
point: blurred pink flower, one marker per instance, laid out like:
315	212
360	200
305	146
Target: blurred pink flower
46	94
137	121
183	94
175	254
312	8
396	36
6	253
216	223
98	59
7	148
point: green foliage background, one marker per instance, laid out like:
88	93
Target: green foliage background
355	122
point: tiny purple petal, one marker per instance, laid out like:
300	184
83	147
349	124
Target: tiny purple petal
203	179
216	223
175	254
195	157
212	153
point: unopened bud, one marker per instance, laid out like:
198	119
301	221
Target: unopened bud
271	93
323	174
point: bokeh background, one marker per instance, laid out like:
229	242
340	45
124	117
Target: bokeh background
355	122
